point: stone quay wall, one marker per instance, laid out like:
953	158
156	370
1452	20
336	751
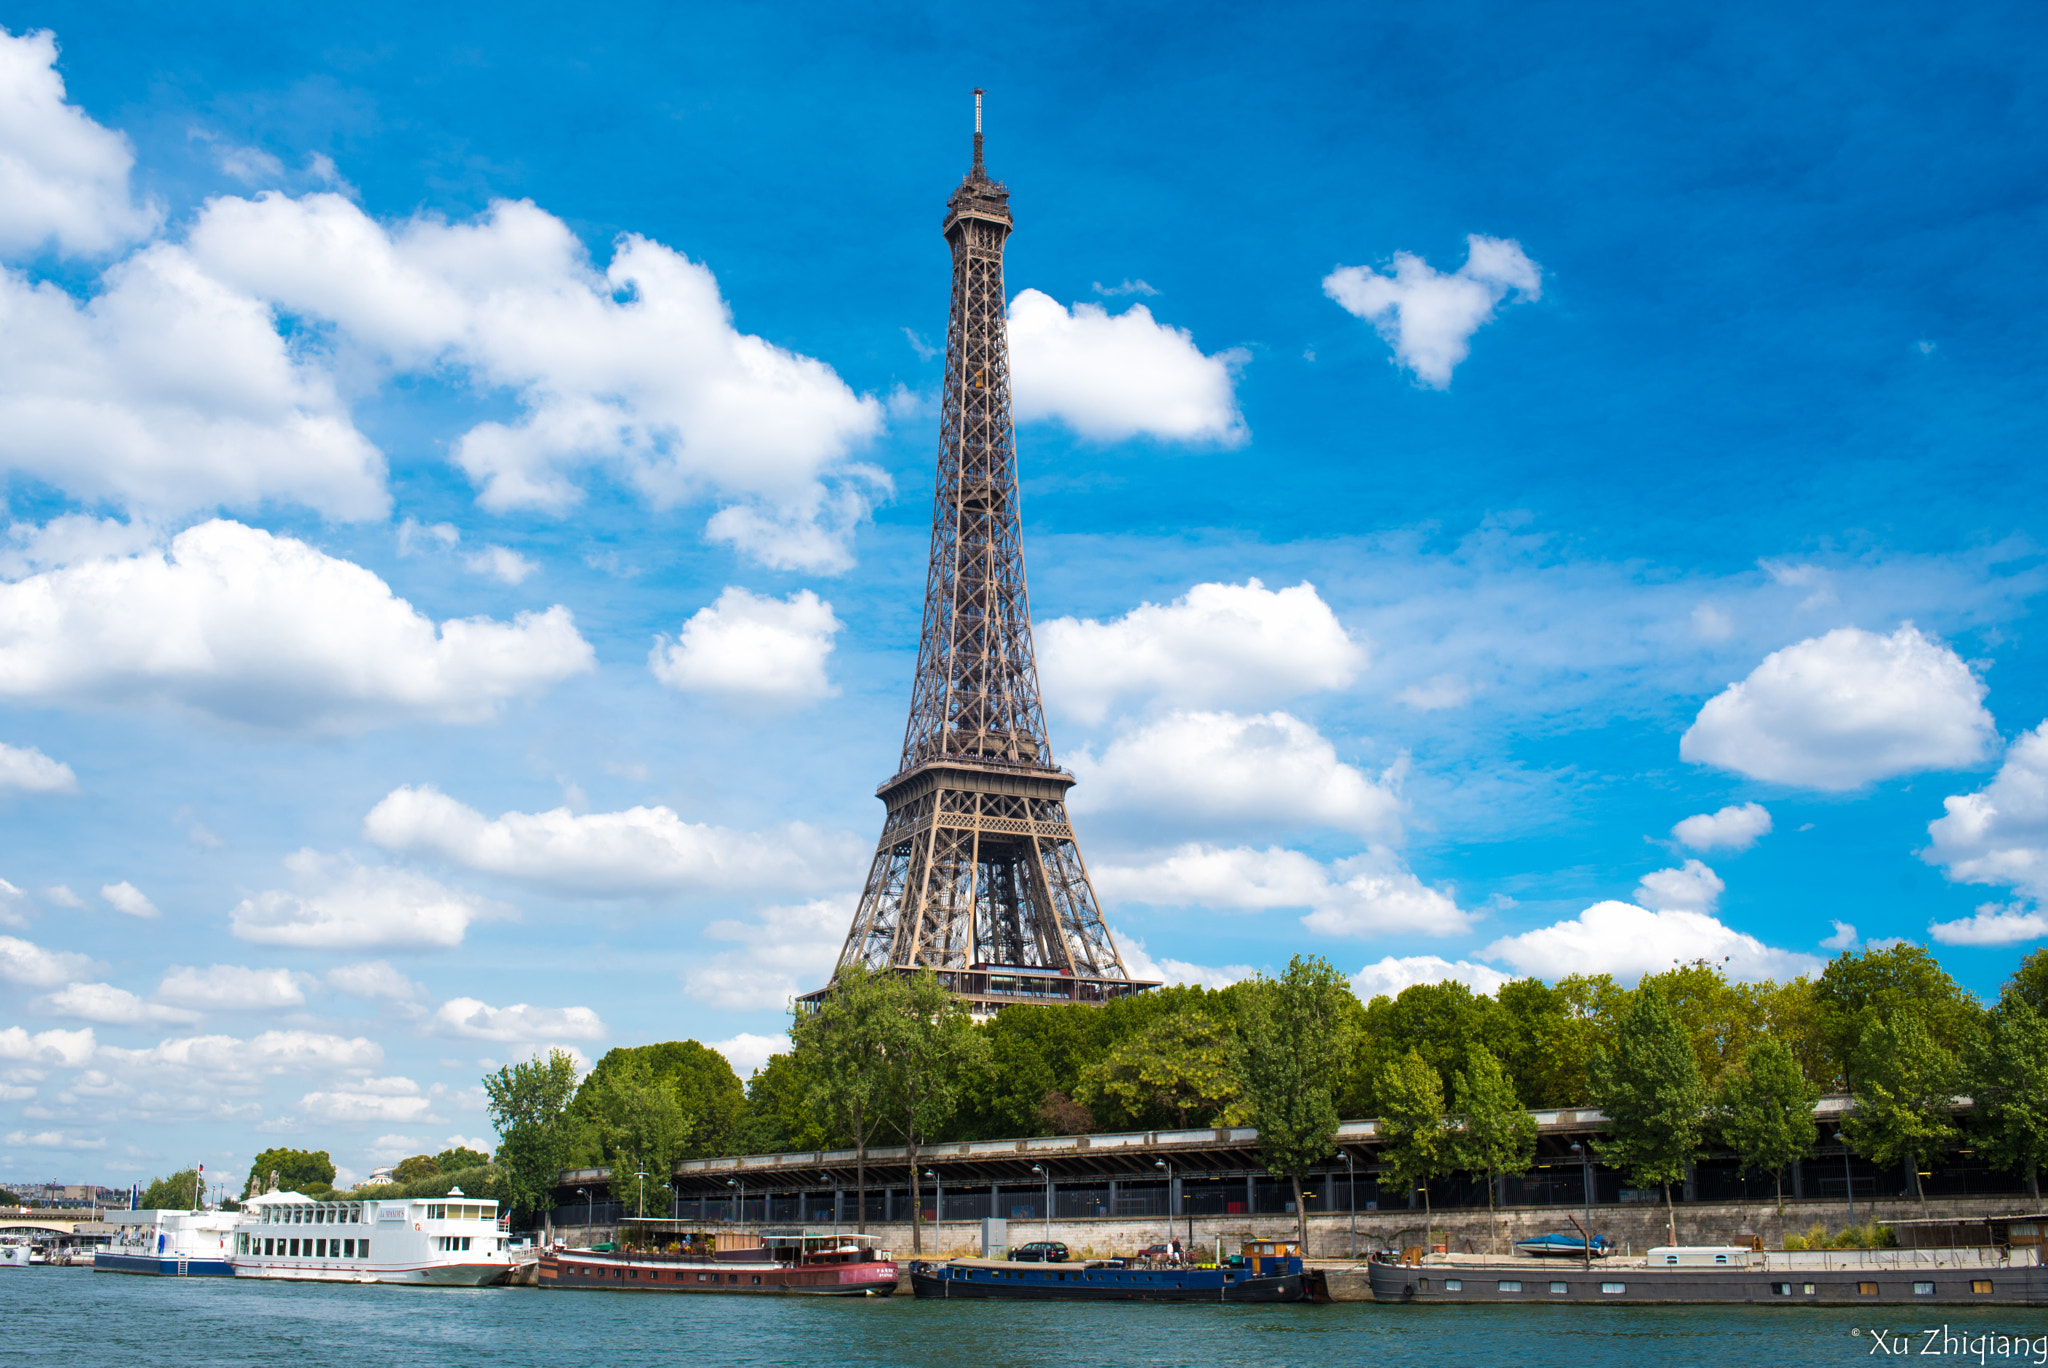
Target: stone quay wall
1635	1226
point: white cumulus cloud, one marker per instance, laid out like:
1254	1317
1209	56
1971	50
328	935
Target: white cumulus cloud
68	1048
1225	770
1218	644
639	850
126	898
1428	316
374	979
1391	975
29	964
1999	834
1627	941
477	1020
781	952
1112	376
501	564
63	177
636	367
27	770
338	904
230	988
1164	969
754	650
372	1099
1732	828
1690	888
103	1002
271	1052
265	629
1367	894
1839	711
168	393
1993	925
747	1052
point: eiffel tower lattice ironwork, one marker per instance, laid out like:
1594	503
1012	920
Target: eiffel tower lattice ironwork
977	875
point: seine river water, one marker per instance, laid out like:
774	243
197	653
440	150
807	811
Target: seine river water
75	1316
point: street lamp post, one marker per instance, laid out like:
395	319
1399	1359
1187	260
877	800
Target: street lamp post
1041	1172
938	1212
589	1207
1351	1189
1848	1180
1161	1163
736	1183
1586	1192
641	1201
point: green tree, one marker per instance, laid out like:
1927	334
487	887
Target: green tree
1417	1134
1764	1107
779	1117
528	1105
1183	1069
175	1193
2007	1073
1496	1135
1906	1082
1297	1038
459	1158
2029	982
307	1171
418	1166
934	1051
1859	991
641	1129
706	1088
1648	1084
1545	1044
843	1050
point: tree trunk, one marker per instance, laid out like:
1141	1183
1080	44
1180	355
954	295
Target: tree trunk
1671	1215
916	1202
1919	1189
860	1172
1428	1219
1780	1176
1492	1226
1300	1216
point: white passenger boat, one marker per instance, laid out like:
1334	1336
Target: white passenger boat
13	1253
452	1241
168	1244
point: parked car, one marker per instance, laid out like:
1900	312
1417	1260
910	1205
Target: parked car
1157	1251
1040	1251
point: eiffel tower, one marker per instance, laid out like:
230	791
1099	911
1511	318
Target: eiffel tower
977	875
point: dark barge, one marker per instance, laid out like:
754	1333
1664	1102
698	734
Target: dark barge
1692	1277
1270	1271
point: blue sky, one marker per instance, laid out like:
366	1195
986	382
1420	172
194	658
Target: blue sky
468	474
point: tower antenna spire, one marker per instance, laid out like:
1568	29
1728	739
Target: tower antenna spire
977	132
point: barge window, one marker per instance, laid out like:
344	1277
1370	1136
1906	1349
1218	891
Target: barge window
1558	1287
1806	1289
1980	1285
732	1278
1614	1289
1453	1285
362	1249
1923	1289
1866	1289
1510	1285
1781	1289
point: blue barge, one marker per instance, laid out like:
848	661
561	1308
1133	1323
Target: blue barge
1271	1271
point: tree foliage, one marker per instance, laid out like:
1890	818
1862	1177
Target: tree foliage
307	1171
705	1087
2007	1076
415	1167
1857	993
842	1050
640	1127
1906	1080
1495	1135
174	1193
935	1050
1181	1069
528	1105
1649	1086
1764	1110
1297	1034
1416	1142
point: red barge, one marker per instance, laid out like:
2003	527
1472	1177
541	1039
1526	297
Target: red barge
800	1263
